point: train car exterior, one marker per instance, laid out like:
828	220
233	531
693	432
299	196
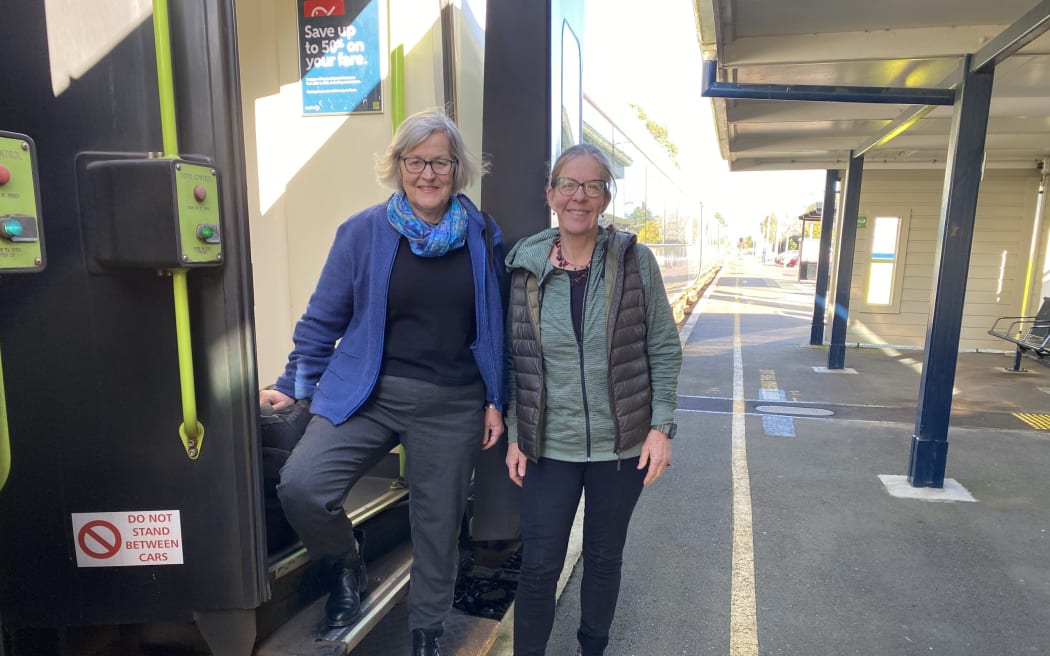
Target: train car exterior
188	165
132	494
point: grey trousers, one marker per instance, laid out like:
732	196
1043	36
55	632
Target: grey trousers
441	430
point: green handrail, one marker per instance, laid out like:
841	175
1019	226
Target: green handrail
191	431
5	435
397	86
165	78
397	115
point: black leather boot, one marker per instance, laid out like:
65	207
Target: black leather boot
425	642
348	580
590	646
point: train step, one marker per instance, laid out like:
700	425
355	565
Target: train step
308	634
464	635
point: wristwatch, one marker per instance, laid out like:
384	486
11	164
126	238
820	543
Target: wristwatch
668	429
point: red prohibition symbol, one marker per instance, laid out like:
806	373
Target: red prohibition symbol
99	539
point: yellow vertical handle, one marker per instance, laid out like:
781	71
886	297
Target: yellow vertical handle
5	435
191	431
165	78
397	86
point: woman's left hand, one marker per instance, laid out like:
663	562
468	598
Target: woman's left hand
493	429
656	454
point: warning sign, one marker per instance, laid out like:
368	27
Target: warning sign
128	539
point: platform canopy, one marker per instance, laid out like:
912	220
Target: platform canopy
901	53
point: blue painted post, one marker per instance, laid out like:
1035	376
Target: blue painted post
827	223
962	179
847	246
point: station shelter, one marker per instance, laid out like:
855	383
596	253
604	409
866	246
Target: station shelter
932	121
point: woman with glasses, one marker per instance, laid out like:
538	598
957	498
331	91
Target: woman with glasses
595	356
401	342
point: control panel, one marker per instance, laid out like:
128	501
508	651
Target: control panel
158	213
21	237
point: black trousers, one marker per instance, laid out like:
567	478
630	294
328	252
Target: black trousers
549	498
441	429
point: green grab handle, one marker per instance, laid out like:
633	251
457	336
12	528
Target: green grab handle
191	431
397	86
5	435
165	78
397	115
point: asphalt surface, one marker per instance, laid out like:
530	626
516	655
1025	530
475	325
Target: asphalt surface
773	532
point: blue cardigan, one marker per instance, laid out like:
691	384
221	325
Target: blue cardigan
349	307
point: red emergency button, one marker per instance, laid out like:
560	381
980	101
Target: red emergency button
5	175
200	193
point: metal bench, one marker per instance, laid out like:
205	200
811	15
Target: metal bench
1029	334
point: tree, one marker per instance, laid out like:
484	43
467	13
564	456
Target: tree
651	232
769	228
660	133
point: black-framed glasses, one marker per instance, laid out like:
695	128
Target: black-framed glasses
439	165
593	188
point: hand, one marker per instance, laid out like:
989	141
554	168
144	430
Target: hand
274	399
516	462
493	428
656	453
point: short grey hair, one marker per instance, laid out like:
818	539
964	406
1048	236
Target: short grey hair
589	150
413	131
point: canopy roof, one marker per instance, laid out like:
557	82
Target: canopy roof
845	47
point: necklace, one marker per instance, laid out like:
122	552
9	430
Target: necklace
577	272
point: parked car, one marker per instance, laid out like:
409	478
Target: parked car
784	257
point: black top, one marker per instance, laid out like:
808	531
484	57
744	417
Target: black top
430	318
577	292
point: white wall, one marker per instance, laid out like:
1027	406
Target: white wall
306	174
995	287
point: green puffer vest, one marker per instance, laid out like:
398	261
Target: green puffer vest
630	387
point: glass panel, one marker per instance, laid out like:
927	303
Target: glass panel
571	87
880	283
649	200
884	238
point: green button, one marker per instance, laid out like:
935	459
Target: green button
206	232
9	229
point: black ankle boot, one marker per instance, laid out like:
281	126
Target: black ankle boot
590	646
347	581
425	642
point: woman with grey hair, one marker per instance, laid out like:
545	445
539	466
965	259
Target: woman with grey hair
595	358
401	342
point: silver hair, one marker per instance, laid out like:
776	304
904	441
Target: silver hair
413	131
589	150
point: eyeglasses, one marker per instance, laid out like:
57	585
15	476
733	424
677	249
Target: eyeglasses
593	188
439	166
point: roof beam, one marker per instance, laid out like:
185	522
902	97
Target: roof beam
1008	42
904	122
1026	29
711	88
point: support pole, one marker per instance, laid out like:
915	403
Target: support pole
827	223
847	246
962	180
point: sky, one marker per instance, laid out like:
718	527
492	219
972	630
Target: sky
649	54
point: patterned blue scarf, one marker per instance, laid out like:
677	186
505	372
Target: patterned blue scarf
427	239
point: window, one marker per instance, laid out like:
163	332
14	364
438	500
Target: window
571	113
884	264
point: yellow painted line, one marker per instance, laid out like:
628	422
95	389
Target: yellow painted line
743	615
1040	422
767	379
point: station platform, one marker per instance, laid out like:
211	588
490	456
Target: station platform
778	529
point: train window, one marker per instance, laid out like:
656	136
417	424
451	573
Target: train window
884	270
571	87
